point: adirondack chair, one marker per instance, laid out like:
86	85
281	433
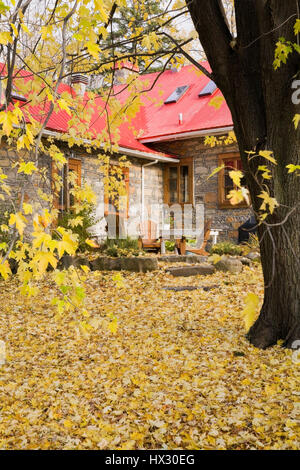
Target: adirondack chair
148	239
201	251
180	245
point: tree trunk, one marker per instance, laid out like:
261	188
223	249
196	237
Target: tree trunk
280	253
280	314
260	100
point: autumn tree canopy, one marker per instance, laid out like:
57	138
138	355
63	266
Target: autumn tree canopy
43	44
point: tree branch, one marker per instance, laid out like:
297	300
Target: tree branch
208	17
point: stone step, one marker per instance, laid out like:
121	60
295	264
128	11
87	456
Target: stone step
192	259
186	271
190	288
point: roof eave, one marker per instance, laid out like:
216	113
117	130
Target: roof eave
187	135
124	150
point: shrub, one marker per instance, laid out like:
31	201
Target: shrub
120	247
251	245
170	245
226	248
88	219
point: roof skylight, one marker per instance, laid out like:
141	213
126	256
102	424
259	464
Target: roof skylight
208	89
174	97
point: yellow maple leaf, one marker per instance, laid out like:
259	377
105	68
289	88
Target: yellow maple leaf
27	208
19	221
216	170
296	120
250	310
94	49
268	201
5	37
236	176
101	11
25	29
91	243
27	168
64	106
85	268
5	270
235	196
7	121
113	326
16	33
267	154
43	259
68	423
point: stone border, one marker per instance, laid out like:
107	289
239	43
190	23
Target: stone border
103	263
192	259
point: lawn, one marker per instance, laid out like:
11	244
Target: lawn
177	374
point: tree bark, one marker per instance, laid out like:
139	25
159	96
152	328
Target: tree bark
260	100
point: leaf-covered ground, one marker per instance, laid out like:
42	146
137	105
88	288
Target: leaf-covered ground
178	373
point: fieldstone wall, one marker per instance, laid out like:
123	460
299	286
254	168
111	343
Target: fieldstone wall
90	174
16	180
21	184
227	220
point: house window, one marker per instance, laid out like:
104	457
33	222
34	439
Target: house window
116	189
64	200
231	161
178	186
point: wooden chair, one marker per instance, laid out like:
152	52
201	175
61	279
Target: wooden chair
201	251
148	239
180	245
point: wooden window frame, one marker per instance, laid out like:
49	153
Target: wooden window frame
222	201
72	164
183	162
125	172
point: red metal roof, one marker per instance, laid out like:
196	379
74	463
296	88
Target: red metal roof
157	119
154	119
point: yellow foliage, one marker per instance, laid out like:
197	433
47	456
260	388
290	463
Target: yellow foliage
236	177
250	310
64	106
177	372
5	37
19	221
235	196
5	270
268	201
27	208
296	120
27	168
267	154
91	243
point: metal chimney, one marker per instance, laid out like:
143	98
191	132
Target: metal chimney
81	81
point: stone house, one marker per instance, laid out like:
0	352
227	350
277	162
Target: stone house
164	143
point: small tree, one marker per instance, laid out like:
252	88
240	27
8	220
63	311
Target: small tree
41	45
141	18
